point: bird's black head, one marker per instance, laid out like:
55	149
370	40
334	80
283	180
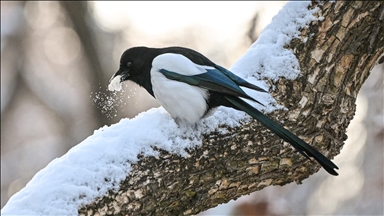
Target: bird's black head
135	65
131	63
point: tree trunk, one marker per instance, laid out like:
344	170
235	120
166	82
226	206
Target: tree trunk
335	55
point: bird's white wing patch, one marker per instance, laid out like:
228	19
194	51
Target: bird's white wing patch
181	100
179	64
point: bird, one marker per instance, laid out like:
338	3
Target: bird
190	87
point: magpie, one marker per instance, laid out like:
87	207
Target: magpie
190	86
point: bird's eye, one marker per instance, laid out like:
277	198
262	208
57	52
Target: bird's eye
129	64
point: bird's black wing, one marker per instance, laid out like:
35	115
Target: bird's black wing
200	59
238	80
213	80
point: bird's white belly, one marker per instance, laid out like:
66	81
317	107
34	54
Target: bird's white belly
181	100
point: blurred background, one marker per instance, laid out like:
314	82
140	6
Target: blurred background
57	58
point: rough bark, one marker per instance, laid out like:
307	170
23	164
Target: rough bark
335	56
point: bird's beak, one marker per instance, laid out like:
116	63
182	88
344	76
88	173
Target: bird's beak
116	80
122	74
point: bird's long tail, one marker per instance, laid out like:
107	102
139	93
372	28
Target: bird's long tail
296	142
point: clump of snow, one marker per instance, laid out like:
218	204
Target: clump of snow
115	84
103	160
